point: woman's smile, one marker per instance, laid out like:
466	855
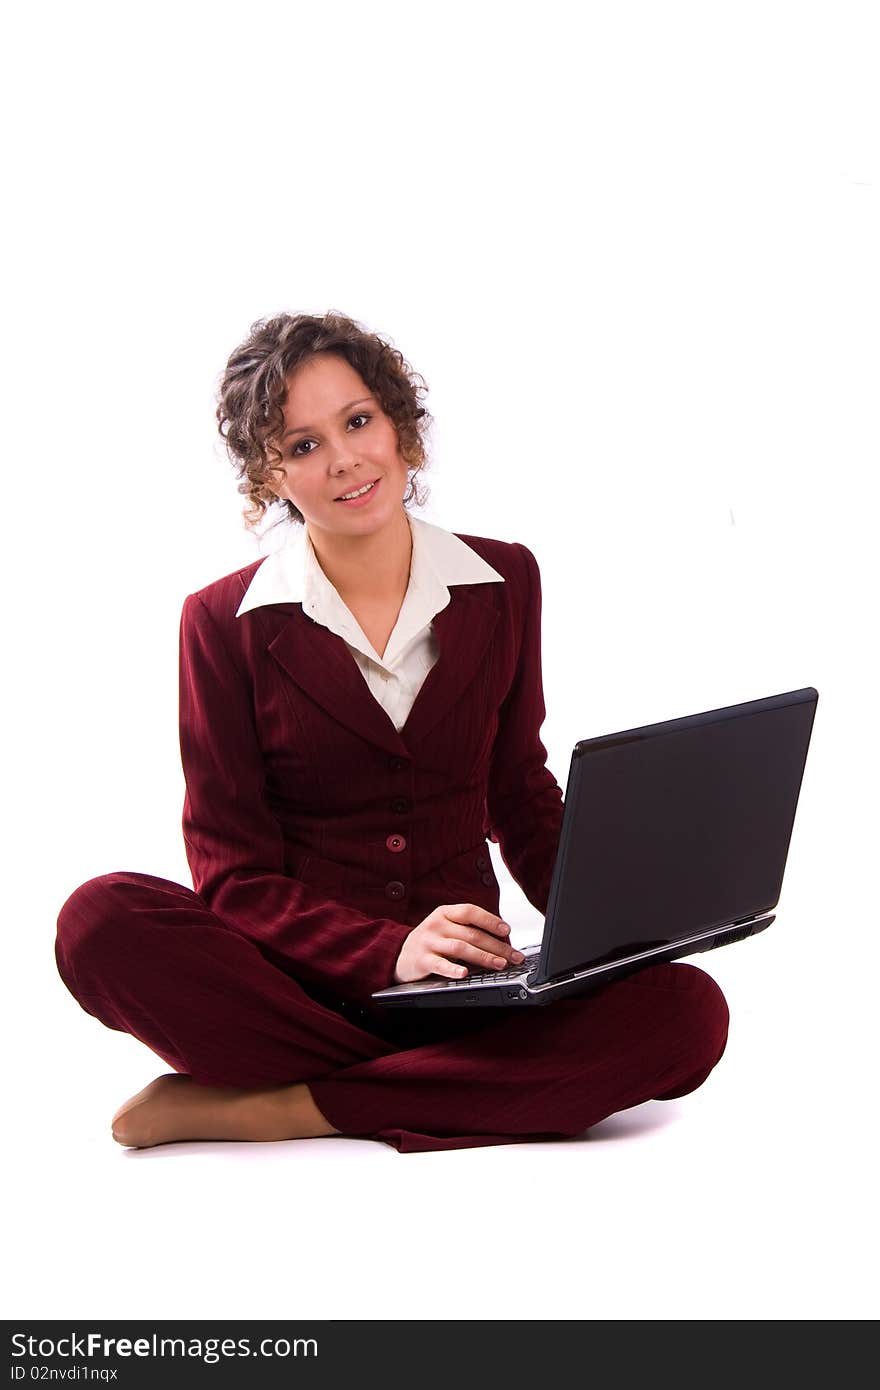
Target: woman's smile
361	496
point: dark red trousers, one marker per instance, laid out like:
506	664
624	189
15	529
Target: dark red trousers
148	957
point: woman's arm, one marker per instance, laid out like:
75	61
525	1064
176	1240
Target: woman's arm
524	800
234	845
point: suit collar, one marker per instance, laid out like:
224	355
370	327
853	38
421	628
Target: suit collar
319	662
440	558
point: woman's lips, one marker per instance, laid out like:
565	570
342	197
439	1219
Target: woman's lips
362	500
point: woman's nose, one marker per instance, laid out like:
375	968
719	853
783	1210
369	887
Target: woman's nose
341	455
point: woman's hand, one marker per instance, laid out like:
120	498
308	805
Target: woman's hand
451	934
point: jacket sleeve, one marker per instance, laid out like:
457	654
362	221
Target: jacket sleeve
524	800
235	846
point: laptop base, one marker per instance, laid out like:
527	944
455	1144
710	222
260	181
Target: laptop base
473	993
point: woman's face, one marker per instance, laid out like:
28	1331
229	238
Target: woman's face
335	439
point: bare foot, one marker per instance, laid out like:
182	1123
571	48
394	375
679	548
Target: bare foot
174	1107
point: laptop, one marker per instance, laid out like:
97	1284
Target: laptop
674	840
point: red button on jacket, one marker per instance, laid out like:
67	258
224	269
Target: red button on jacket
395	843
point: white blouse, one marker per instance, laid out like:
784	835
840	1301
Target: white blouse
294	575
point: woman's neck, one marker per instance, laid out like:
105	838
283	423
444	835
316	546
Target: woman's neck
367	569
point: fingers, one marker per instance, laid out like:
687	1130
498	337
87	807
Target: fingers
483	956
468	914
473	934
449	969
450	935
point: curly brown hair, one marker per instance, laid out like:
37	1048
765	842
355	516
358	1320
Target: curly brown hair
254	385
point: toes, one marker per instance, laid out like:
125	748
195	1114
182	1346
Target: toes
123	1132
131	1125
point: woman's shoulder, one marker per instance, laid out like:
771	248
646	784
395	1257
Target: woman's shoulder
222	596
512	559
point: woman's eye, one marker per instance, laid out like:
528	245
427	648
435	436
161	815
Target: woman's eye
295	451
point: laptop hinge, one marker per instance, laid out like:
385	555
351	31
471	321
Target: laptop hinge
646	955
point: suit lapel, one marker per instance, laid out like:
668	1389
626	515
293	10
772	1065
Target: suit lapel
319	662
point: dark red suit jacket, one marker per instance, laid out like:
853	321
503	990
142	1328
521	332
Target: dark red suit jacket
317	830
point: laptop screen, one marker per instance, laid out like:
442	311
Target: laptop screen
675	828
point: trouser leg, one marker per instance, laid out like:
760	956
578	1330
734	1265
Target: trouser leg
540	1073
147	957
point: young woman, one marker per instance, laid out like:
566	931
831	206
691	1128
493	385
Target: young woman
358	712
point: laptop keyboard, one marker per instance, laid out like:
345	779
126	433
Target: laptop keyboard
492	977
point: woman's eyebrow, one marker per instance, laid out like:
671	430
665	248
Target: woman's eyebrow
307	429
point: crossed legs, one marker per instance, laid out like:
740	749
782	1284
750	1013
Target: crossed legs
255	1057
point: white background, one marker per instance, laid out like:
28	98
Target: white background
633	250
